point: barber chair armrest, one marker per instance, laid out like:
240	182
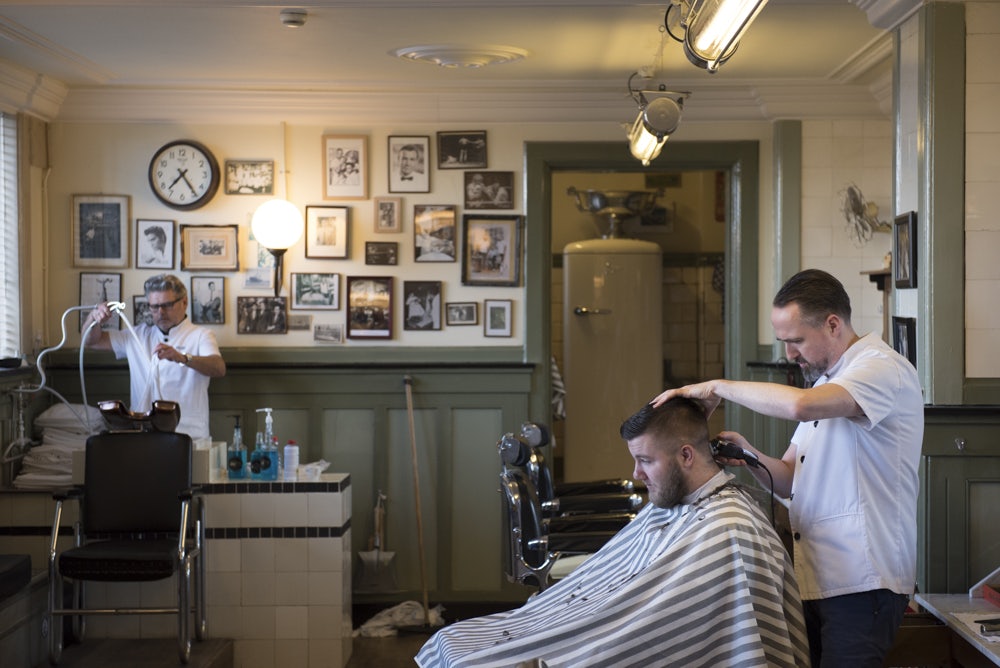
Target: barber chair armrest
619	486
594	503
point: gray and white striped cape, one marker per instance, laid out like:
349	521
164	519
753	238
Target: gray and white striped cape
706	584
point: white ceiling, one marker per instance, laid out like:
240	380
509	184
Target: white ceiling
96	55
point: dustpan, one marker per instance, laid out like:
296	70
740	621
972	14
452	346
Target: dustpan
377	573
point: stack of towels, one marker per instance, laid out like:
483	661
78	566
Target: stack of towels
65	428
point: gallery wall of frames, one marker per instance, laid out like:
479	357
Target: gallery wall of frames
404	233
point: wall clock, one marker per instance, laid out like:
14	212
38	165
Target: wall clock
184	174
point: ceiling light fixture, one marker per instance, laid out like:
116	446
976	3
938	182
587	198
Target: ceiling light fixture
657	120
459	56
712	28
293	18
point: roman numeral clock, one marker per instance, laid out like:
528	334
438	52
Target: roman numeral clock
184	174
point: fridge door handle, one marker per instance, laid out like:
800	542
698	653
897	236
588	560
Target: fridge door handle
583	310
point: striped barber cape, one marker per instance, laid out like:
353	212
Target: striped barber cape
705	584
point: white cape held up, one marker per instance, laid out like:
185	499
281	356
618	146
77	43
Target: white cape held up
707	584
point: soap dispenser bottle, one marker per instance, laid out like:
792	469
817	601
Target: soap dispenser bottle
268	460
236	457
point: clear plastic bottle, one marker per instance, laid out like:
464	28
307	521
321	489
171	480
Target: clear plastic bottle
291	463
236	456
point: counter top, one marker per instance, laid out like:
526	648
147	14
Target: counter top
952	609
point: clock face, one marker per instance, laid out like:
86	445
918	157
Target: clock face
184	174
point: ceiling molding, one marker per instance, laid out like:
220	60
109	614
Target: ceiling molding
18	34
888	14
23	91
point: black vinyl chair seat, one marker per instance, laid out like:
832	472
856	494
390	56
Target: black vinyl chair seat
121	560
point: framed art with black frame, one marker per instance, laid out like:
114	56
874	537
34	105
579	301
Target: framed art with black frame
369	307
319	292
208	300
489	190
141	315
154	244
98	288
491	254
409	164
100	226
381	252
461	313
434	232
345	167
497	317
904	338
210	247
904	250
422	303
327	232
462	149
261	315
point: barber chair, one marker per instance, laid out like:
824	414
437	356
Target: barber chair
549	535
140	520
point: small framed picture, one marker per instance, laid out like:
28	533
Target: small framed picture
422	303
381	252
319	292
100	225
261	315
249	177
489	190
97	288
141	315
299	322
492	250
154	244
904	337
258	278
388	214
327	231
345	167
210	247
434	233
328	333
496	317
462	150
409	164
369	306
208	300
904	250
461	313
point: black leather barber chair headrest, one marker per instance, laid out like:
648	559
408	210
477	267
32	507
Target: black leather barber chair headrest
163	416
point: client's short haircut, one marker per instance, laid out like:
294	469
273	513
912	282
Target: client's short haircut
679	420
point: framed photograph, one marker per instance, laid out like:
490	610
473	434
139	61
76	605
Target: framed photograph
328	333
422	303
261	315
904	250
319	292
154	244
345	167
208	300
492	250
496	317
299	322
388	214
96	288
409	164
462	150
381	252
904	337
141	315
461	313
327	231
100	230
369	307
434	233
249	177
489	190
258	278
210	247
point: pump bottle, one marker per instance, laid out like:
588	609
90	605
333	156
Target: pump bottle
236	457
267	460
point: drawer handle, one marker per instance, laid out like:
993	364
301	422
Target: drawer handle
960	443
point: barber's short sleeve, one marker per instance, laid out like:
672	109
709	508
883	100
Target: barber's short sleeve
119	344
874	382
207	344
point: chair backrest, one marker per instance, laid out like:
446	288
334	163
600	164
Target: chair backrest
132	481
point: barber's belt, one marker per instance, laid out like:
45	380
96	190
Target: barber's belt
163	416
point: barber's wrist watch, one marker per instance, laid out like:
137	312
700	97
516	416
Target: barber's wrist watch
187	360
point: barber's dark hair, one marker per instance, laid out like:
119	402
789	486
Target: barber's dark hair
677	421
817	293
165	282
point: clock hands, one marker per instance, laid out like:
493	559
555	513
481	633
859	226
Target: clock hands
182	175
193	191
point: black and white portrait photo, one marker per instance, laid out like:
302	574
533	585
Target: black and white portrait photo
154	244
208	298
101	230
462	150
409	169
422	303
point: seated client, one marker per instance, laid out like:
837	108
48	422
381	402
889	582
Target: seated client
699	578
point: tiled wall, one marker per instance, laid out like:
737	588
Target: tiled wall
982	189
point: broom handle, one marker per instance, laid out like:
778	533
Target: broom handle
408	382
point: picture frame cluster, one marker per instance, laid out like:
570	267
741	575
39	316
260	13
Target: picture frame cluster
482	236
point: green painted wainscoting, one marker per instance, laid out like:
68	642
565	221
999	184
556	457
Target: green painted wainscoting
354	415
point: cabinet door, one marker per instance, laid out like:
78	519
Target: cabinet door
962	542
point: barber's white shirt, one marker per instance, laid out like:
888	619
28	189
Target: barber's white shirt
854	494
152	379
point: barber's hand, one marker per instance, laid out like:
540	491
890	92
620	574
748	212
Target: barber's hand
101	314
736	439
700	392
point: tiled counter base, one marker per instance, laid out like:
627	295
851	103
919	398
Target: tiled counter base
279	571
